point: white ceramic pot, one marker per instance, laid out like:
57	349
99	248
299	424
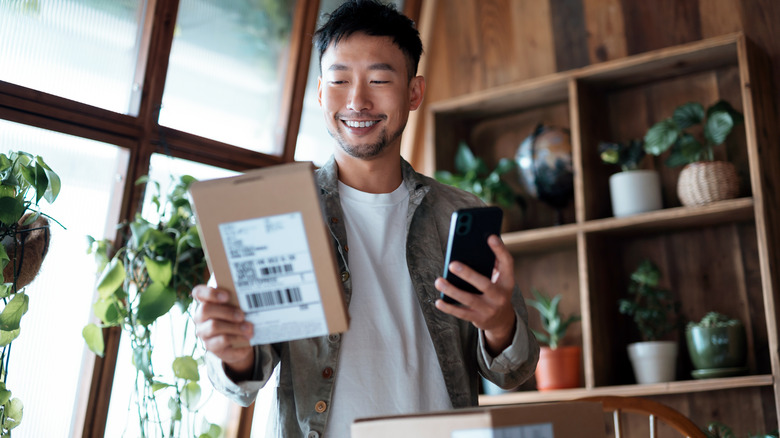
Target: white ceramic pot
653	362
635	191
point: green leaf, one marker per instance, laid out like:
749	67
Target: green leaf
41	181
7	336
6	288
661	137
112	278
504	165
11	210
142	360
4	259
156	300
209	430
5	394
190	395
175	409
14	409
718	127
185	367
139	229
108	311
93	336
464	159
53	189
157	385
688	115
159	271
11	316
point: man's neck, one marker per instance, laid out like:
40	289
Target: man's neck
381	175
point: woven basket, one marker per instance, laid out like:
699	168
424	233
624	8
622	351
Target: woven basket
707	181
27	250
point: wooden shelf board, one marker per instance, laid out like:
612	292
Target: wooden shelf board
513	98
660	64
541	239
732	210
676	387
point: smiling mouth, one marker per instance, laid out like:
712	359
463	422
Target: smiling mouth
360	123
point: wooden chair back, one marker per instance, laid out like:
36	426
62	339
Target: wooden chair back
655	411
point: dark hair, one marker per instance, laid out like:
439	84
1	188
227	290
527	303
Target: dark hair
372	18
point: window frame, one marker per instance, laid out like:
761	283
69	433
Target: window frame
142	136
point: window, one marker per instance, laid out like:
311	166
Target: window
107	91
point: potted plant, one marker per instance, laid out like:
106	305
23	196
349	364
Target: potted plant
717	429
632	190
155	269
24	232
690	135
655	313
473	176
558	366
716	345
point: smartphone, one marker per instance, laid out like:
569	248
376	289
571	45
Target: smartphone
467	243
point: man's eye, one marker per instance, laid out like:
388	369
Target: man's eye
338	82
380	82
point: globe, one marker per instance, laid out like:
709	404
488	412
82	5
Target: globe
545	162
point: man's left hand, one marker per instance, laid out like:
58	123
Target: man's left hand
492	311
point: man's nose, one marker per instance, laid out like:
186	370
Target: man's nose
359	98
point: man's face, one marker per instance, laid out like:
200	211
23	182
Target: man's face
366	96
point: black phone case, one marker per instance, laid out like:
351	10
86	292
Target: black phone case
467	243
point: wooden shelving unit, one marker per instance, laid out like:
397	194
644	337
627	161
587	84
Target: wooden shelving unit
723	256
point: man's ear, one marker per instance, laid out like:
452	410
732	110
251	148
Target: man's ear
416	92
319	90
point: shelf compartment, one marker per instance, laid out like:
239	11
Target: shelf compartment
676	387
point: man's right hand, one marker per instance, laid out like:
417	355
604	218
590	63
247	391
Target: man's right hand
224	332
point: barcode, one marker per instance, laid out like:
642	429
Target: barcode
274	298
274	270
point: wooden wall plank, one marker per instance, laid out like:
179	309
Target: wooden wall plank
570	34
605	30
661	23
532	36
719	17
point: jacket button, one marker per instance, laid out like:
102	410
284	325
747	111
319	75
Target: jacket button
334	338
344	276
346	248
313	434
327	373
335	220
320	407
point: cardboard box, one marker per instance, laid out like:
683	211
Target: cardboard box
267	244
548	420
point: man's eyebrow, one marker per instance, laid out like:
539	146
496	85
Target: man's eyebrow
377	66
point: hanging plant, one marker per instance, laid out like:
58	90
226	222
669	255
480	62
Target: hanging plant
24	232
156	269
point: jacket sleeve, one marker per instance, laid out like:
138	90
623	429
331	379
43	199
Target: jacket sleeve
243	393
516	363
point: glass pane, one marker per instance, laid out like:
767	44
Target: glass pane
173	336
227	69
314	143
46	360
84	50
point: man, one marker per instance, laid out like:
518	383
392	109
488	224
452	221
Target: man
406	350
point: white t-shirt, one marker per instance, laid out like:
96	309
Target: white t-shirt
388	364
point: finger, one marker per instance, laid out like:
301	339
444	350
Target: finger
228	348
505	263
204	294
466	299
471	276
463	313
214	328
225	312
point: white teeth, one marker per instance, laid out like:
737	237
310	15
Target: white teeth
363	124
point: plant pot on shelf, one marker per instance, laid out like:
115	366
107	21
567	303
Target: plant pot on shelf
558	368
717	351
703	182
635	191
653	361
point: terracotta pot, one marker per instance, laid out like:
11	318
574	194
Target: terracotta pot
707	181
559	368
